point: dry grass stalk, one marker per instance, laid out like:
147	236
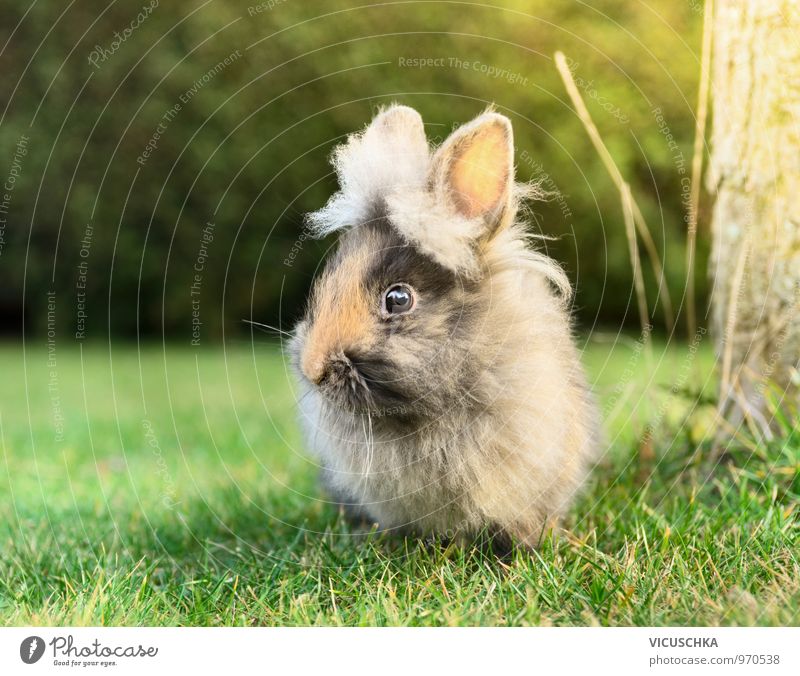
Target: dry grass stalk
729	336
619	182
697	167
638	278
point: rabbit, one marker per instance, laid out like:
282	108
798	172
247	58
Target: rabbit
440	387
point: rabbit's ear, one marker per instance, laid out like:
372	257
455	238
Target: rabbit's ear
398	128
473	170
389	156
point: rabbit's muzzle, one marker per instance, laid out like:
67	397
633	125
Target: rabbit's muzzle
360	383
340	380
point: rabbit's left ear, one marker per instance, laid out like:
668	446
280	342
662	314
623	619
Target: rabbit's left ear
390	156
473	171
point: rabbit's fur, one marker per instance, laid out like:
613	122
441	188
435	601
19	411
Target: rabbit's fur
471	411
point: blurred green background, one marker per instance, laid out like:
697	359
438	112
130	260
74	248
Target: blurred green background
126	133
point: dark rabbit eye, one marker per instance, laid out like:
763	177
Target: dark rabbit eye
398	299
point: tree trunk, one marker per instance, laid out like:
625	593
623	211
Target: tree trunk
755	173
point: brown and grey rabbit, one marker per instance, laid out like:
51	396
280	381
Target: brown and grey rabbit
442	390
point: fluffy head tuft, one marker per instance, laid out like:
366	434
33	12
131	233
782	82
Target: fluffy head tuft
450	204
389	156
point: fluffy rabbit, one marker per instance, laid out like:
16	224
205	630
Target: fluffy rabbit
441	389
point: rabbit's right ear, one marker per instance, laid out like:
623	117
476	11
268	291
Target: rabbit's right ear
468	195
473	171
390	156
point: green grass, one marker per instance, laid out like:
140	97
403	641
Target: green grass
180	494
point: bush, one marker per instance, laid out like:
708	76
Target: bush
250	102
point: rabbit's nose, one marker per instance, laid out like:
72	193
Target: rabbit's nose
315	369
335	366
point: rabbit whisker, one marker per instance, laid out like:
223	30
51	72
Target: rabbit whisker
269	328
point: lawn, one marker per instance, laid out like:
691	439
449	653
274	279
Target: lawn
169	486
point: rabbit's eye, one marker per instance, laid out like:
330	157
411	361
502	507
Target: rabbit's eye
398	299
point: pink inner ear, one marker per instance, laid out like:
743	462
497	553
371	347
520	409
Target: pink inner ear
479	174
